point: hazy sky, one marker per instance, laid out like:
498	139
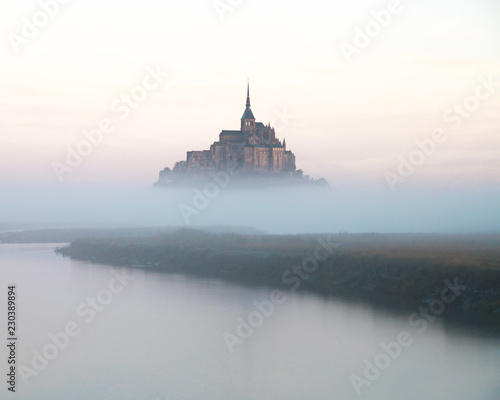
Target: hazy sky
347	121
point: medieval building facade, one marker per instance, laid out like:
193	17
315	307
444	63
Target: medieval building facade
254	149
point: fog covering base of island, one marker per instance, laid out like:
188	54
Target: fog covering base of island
340	207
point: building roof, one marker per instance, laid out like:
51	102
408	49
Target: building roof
226	132
231	136
248	114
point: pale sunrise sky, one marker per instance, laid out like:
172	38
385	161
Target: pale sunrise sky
351	120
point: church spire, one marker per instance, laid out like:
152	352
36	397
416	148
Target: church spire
248	94
248	120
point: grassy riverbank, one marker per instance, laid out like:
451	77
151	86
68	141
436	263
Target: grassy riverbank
402	269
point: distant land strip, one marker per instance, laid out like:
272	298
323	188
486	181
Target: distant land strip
67	235
400	270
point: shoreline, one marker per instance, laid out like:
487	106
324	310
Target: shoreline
396	276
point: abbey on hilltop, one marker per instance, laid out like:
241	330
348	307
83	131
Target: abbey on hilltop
252	151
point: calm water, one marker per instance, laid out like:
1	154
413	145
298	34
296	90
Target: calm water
161	337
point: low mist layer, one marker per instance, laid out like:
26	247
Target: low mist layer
271	209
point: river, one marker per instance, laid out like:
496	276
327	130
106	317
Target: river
88	331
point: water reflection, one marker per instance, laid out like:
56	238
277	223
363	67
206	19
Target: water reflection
162	338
